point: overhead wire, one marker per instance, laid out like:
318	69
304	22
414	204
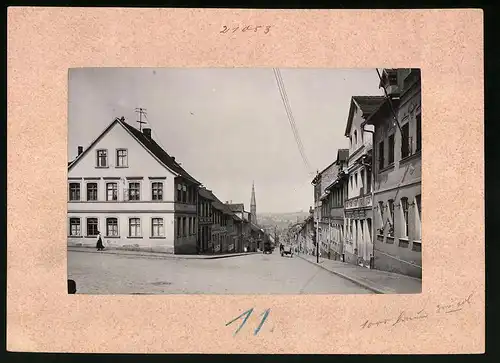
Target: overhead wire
291	120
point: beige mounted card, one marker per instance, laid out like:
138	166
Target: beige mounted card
54	53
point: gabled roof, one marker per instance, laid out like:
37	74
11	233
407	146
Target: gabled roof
204	193
161	154
145	141
227	210
367	104
218	205
237	207
342	155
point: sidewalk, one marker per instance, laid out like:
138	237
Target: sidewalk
158	255
380	282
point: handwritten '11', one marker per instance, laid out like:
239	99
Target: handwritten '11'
247	315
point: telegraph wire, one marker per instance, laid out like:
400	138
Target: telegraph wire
284	98
292	118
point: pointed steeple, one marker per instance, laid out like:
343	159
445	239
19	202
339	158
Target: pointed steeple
253	205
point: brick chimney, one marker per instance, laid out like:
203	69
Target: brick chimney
80	150
147	131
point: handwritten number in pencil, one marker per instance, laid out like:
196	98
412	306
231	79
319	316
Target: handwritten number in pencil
247	313
245	29
265	313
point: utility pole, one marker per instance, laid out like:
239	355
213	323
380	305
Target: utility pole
141	111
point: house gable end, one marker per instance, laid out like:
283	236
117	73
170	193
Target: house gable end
115	136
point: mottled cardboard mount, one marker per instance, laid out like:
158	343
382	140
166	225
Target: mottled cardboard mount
446	44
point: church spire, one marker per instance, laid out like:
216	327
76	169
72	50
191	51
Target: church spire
253	205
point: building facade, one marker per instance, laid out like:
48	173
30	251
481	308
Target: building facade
358	244
218	226
336	196
304	235
125	186
205	220
397	174
321	213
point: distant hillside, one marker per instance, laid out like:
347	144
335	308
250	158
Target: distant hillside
280	220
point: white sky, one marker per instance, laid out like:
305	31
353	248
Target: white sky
239	130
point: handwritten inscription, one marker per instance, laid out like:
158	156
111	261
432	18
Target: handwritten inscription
245	29
424	313
247	314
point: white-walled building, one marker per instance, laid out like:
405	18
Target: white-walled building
128	188
397	185
358	246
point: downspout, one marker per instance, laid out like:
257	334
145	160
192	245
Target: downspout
372	259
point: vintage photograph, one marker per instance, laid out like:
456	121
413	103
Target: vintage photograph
244	181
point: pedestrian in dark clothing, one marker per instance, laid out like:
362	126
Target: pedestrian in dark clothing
99	244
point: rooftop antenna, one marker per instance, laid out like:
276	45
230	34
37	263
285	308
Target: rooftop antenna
141	111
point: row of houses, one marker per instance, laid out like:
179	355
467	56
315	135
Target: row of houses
130	190
367	203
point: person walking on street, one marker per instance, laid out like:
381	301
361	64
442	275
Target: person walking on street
99	244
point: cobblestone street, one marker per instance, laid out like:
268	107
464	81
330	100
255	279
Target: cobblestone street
96	273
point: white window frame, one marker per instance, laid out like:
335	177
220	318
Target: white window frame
162	189
381	207
138	230
406	223
162	235
87	226
97	161
107	191
79	189
87	190
79	234
128	190
118	158
390	213
117	227
391	216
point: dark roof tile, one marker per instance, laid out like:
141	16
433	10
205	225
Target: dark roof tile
161	154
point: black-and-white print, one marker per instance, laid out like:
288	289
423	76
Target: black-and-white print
244	181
